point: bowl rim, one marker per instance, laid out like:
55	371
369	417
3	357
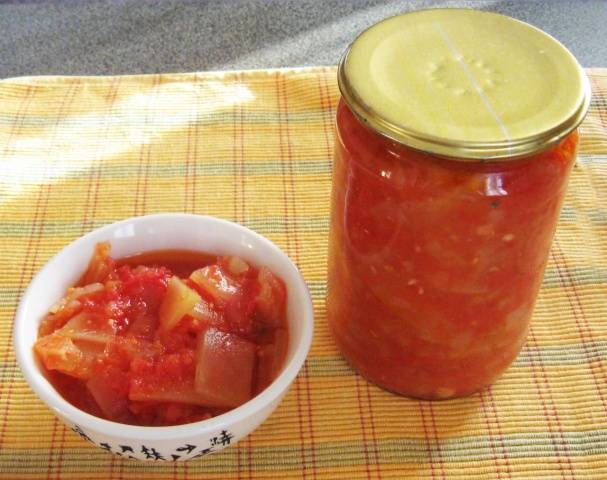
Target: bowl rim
47	393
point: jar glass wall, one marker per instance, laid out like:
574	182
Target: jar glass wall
435	264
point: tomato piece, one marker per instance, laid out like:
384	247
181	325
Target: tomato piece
205	315
58	352
235	266
181	391
168	378
100	265
143	326
215	282
224	368
235	297
270	359
146	287
240	309
67	307
87	327
271	297
109	388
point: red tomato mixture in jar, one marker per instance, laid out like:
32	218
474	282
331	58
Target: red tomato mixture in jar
435	264
165	338
455	137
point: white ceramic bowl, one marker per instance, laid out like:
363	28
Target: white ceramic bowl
157	232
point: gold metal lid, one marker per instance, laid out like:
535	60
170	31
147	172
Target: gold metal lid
464	83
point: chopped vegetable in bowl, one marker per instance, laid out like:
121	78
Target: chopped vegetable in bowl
165	337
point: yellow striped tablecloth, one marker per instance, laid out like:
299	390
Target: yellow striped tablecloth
255	147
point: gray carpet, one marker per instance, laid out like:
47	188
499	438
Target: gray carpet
147	36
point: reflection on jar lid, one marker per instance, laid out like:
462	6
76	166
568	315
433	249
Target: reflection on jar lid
464	83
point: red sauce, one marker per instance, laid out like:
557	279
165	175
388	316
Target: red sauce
180	262
435	264
166	337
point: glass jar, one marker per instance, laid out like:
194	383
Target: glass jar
440	235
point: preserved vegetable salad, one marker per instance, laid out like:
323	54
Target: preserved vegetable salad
165	338
435	264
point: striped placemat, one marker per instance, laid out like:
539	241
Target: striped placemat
256	147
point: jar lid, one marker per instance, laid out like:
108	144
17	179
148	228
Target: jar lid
464	83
